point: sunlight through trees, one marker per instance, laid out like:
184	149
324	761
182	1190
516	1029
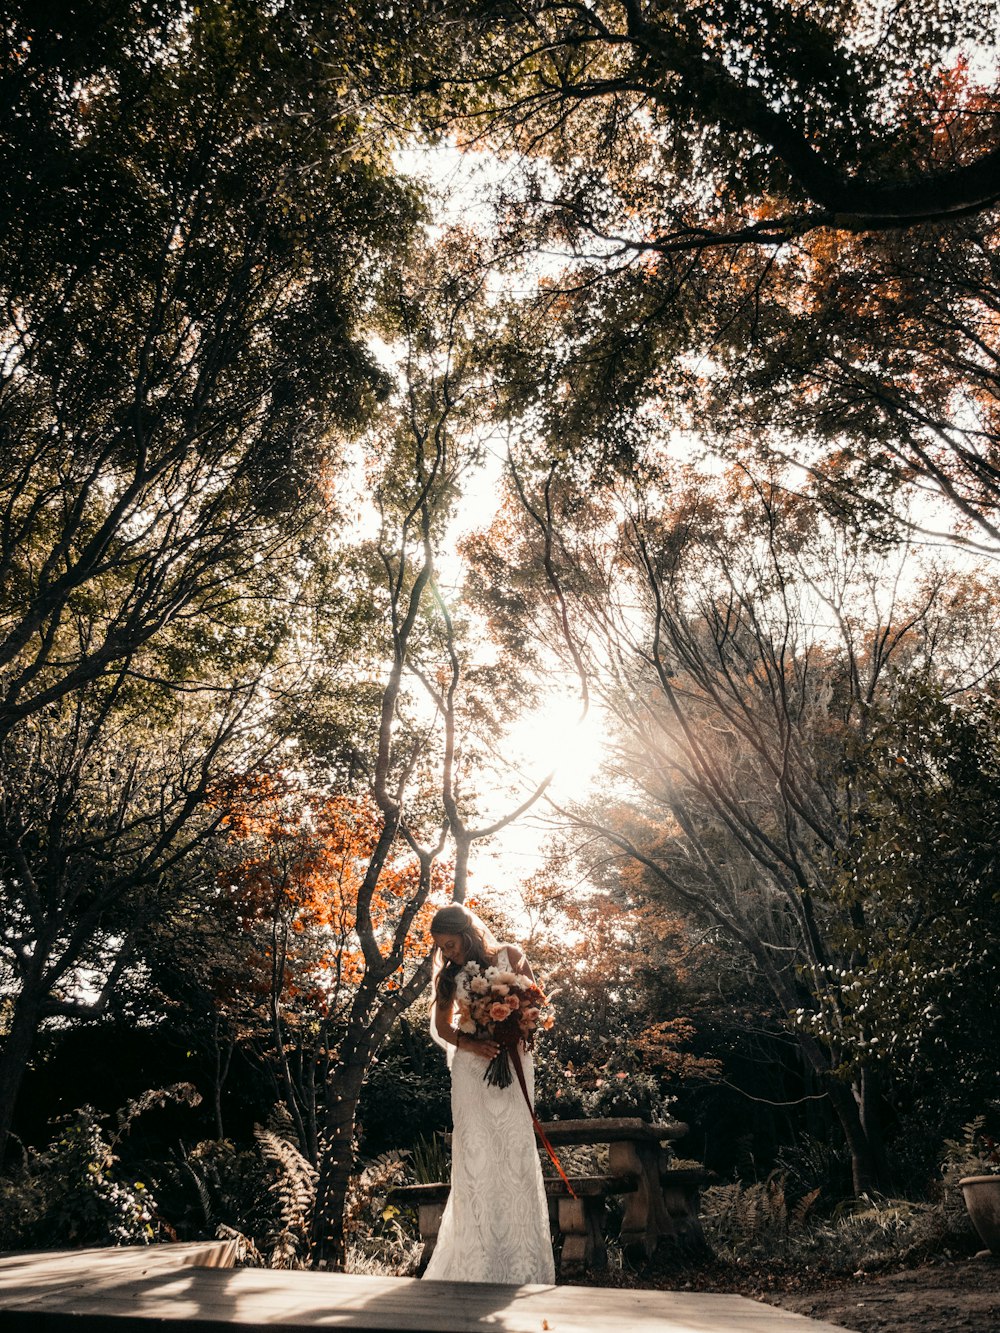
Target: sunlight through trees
546	454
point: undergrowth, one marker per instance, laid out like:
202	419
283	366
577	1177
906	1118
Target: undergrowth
382	1240
761	1223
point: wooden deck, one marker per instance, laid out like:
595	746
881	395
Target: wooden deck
135	1290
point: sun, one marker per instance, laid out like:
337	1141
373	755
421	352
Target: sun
554	739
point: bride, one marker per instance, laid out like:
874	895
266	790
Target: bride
495	1226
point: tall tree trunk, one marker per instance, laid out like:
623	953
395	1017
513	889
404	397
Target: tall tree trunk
867	1164
463	845
16	1053
343	1095
868	1095
862	1131
221	1060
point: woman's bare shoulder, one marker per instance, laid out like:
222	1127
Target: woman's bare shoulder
517	960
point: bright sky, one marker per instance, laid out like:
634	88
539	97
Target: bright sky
551	738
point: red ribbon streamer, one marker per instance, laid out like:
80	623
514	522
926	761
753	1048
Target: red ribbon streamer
515	1056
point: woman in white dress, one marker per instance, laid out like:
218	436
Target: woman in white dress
495	1226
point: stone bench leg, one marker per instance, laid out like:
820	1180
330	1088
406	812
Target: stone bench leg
646	1219
429	1217
581	1226
683	1203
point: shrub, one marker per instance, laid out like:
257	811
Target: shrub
429	1160
263	1199
74	1193
231	1188
617	1089
975	1153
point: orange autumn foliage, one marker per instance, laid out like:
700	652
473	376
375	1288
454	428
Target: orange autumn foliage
302	863
659	1048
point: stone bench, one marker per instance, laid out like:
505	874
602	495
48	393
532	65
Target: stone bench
580	1221
661	1203
664	1208
682	1187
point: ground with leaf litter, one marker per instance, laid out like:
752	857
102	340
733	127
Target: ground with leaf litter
945	1296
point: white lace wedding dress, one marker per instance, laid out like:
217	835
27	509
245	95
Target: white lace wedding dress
495	1226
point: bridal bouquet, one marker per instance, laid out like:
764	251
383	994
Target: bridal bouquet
502	1005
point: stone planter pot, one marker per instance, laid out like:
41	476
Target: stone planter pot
982	1199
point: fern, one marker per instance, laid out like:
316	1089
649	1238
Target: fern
371	1185
976	1153
802	1208
378	1240
295	1190
204	1196
746	1220
754	1224
280	1121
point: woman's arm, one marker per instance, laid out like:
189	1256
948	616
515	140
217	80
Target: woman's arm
463	1041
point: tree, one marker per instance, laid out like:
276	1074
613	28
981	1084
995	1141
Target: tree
441	705
742	646
104	800
778	229
806	108
922	875
300	864
183	230
623	972
191	225
875	368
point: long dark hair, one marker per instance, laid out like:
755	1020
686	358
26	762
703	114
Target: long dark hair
480	946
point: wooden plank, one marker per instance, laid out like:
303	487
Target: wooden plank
60	1266
112	1295
176	1254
